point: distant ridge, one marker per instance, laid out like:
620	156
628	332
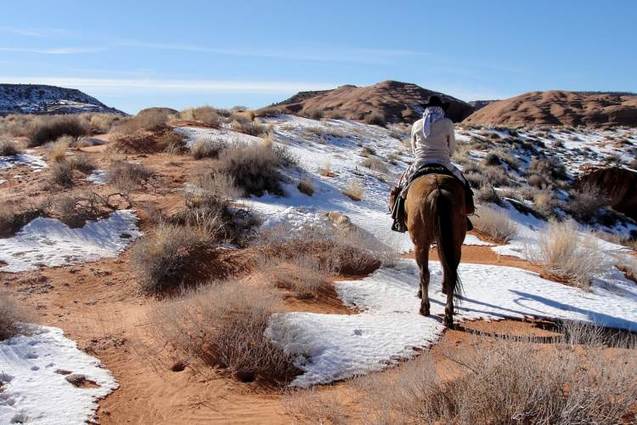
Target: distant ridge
387	101
44	99
559	107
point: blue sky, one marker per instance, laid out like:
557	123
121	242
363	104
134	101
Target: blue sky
133	54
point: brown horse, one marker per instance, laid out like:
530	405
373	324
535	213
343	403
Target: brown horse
435	212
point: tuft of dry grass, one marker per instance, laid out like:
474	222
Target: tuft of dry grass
8	148
224	325
305	186
568	254
354	190
61	174
82	163
586	202
375	164
128	176
152	119
304	275
163	257
206	115
494	224
501	382
243	122
207	148
171	142
57	151
12	317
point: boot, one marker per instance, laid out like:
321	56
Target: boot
469	225
469	206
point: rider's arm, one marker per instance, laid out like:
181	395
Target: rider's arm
451	139
413	139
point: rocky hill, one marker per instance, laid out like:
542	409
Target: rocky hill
387	101
43	99
560	108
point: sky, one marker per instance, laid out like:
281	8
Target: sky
134	54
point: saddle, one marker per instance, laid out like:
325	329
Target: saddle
398	209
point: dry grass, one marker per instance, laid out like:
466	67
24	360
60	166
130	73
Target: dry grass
162	258
586	202
567	254
497	382
171	142
494	224
61	174
128	176
305	186
223	325
545	203
375	164
304	275
102	123
8	148
12	218
12	317
207	148
57	150
205	115
82	163
354	190
243	122
254	167
48	129
326	169
152	119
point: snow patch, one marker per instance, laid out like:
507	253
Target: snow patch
98	177
389	328
36	162
33	389
49	242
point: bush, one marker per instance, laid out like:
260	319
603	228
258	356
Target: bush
224	325
12	318
49	129
57	151
102	123
494	224
545	203
354	190
375	118
171	142
61	174
151	119
82	163
567	255
549	168
254	167
8	148
206	115
245	123
163	258
375	164
305	186
487	194
12	219
127	176
304	276
207	148
586	201
505	381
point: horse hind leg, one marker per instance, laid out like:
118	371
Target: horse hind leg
422	258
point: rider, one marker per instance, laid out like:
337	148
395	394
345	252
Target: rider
433	142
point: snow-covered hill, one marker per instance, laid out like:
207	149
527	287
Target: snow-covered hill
43	99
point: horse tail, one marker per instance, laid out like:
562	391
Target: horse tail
441	213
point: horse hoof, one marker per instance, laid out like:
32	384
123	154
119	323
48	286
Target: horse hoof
449	322
424	312
420	294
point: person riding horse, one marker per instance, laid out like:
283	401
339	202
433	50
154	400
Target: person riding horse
432	142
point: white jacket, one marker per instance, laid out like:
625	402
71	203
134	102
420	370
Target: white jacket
438	147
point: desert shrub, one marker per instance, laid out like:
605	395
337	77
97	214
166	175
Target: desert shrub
476	180
152	119
375	164
13	218
162	258
537	181
586	201
549	168
48	129
128	176
8	148
495	224
544	203
305	186
171	142
315	114
495	176
82	163
492	159
224	325
137	142
565	253
61	174
304	276
12	318
503	382
243	122
354	190
254	167
57	150
102	123
206	115
204	148
326	169
375	118
487	194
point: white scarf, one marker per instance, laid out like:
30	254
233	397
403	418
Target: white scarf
431	115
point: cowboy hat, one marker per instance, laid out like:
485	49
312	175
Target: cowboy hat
436	101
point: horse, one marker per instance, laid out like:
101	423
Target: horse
435	212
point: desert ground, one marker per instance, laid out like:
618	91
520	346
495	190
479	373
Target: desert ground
227	266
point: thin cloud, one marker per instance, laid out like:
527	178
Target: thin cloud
172	85
314	54
33	32
52	50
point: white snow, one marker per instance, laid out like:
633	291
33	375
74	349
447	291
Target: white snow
389	328
36	162
98	177
49	242
31	391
